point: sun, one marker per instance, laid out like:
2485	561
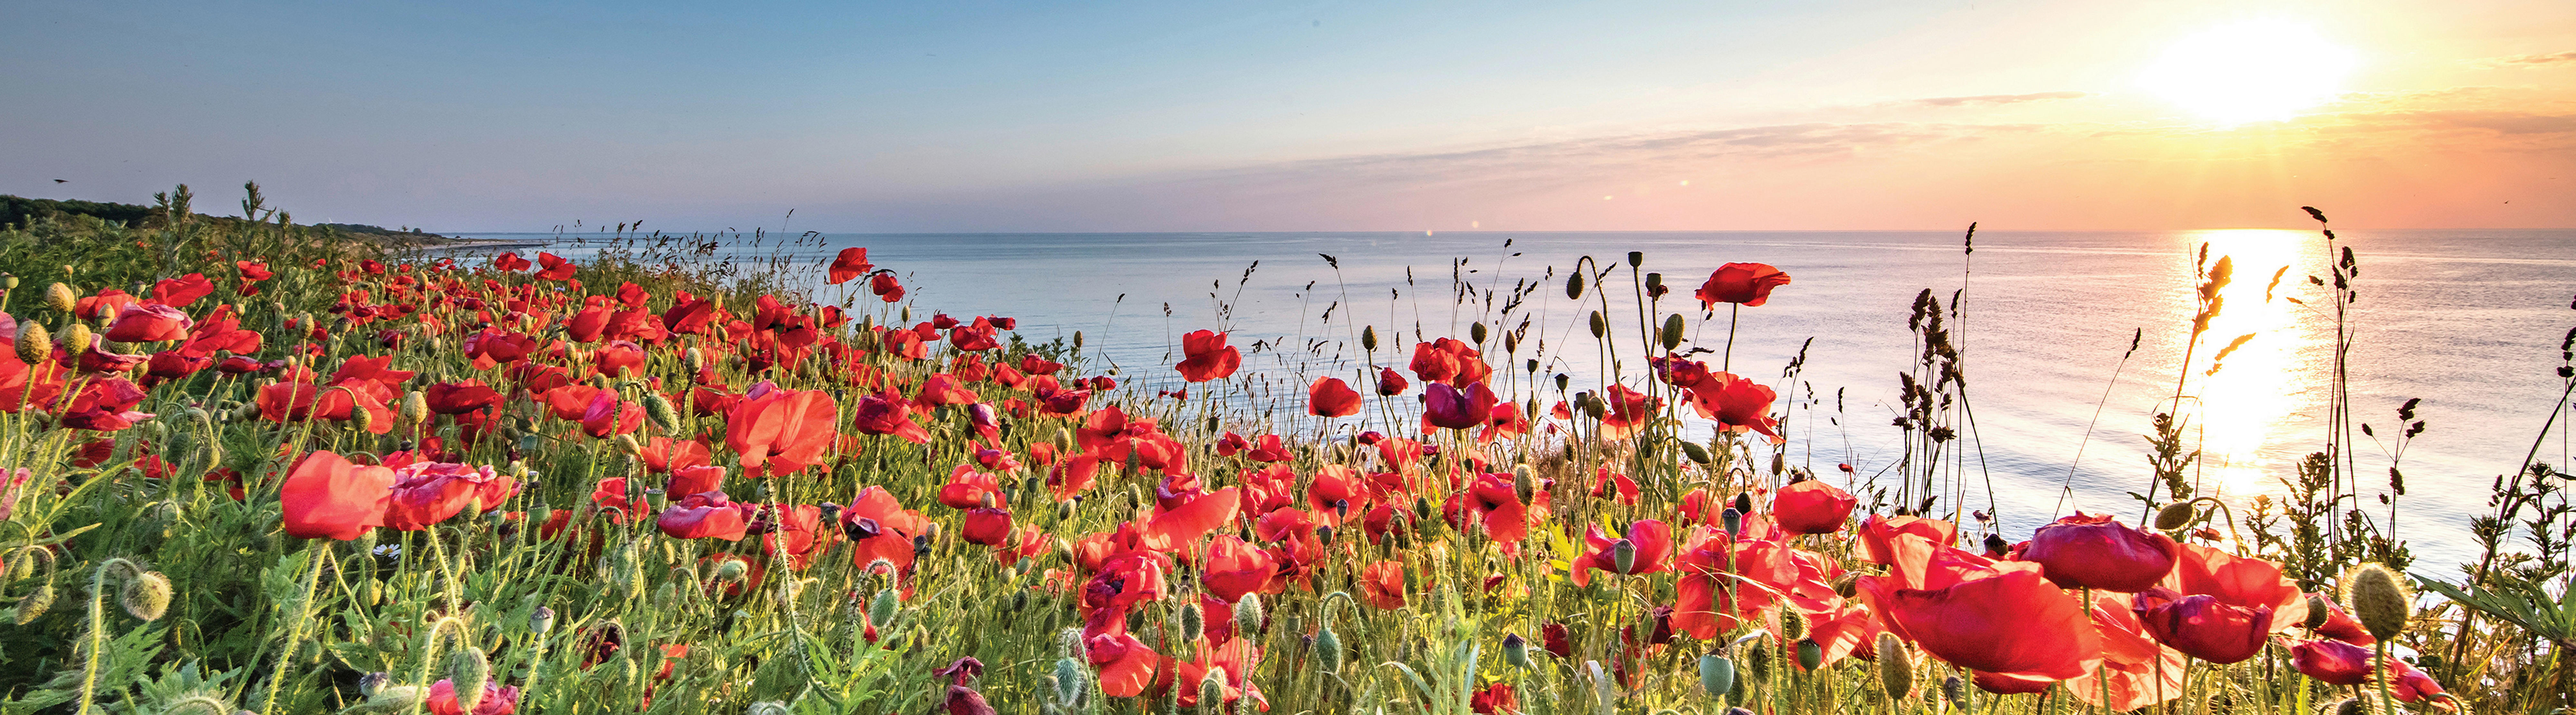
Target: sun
2259	70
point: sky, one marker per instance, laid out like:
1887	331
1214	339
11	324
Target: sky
1214	115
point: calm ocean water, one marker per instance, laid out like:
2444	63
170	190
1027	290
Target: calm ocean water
2468	321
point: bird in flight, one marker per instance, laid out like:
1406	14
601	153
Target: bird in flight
62	181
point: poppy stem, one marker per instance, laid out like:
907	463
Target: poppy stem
1726	360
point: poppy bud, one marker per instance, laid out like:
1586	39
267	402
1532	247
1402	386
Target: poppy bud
882	609
363	420
1672	332
146	596
415	408
34	604
1516	650
469	669
1476	332
1895	666
60	297
2318	612
1757	661
1368	338
1193	622
1212	691
34	344
1636	259
1811	655
1573	286
1511	341
1600	324
8	282
1716	675
2175	516
1421	508
1077	340
658	408
1328	650
767	707
1696	453
1524	483
75	337
2377	599
1247	614
1068	680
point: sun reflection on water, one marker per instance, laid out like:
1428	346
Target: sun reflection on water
2263	387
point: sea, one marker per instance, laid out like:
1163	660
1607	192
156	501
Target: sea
2071	342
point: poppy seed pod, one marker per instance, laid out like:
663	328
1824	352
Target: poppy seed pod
146	595
2378	599
541	620
1561	380
1600	324
1811	655
1732	519
1623	553
1476	332
1368	338
60	297
1716	675
1636	259
1516	650
1895	666
34	344
469	669
2175	516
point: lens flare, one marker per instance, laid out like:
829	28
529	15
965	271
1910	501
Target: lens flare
2261	70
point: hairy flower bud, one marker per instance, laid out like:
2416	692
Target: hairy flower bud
658	409
60	297
1672	337
1193	622
76	337
469	669
415	408
1524	483
1895	666
1212	690
146	595
1328	650
35	345
1696	453
2378	599
33	605
1248	616
2175	516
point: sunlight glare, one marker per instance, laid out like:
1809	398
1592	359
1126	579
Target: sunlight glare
2261	384
2261	70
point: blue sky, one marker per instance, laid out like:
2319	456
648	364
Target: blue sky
972	116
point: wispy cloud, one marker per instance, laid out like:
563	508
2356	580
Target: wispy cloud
1999	98
2528	61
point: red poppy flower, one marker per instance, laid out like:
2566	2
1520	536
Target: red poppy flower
1235	567
1208	357
2100	553
944	389
2137	670
1382	585
780	431
1649	541
1390	384
146	323
497	699
554	267
1449	360
1181	517
2332	662
2244	582
1494	699
2014	625
707	515
253	272
989	526
325	496
1811	507
967	489
850	263
1126	666
2340	625
426	493
1331	397
691	480
2202	626
888	413
1449	407
1748	284
181	291
886	288
1629	411
881	528
456	398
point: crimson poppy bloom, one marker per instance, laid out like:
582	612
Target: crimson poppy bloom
691	480
325	496
888	413
850	263
944	389
2100	553
2244	582
779	431
707	515
456	398
989	526
426	493
1449	407
1737	404
967	489
1235	567
2014	625
1331	397
2340	625
1747	284
1390	384
1494	699
1648	540
1449	360
497	699
148	323
1207	357
2331	661
1382	585
2202	626
554	267
1126	665
881	528
509	261
886	288
1811	507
